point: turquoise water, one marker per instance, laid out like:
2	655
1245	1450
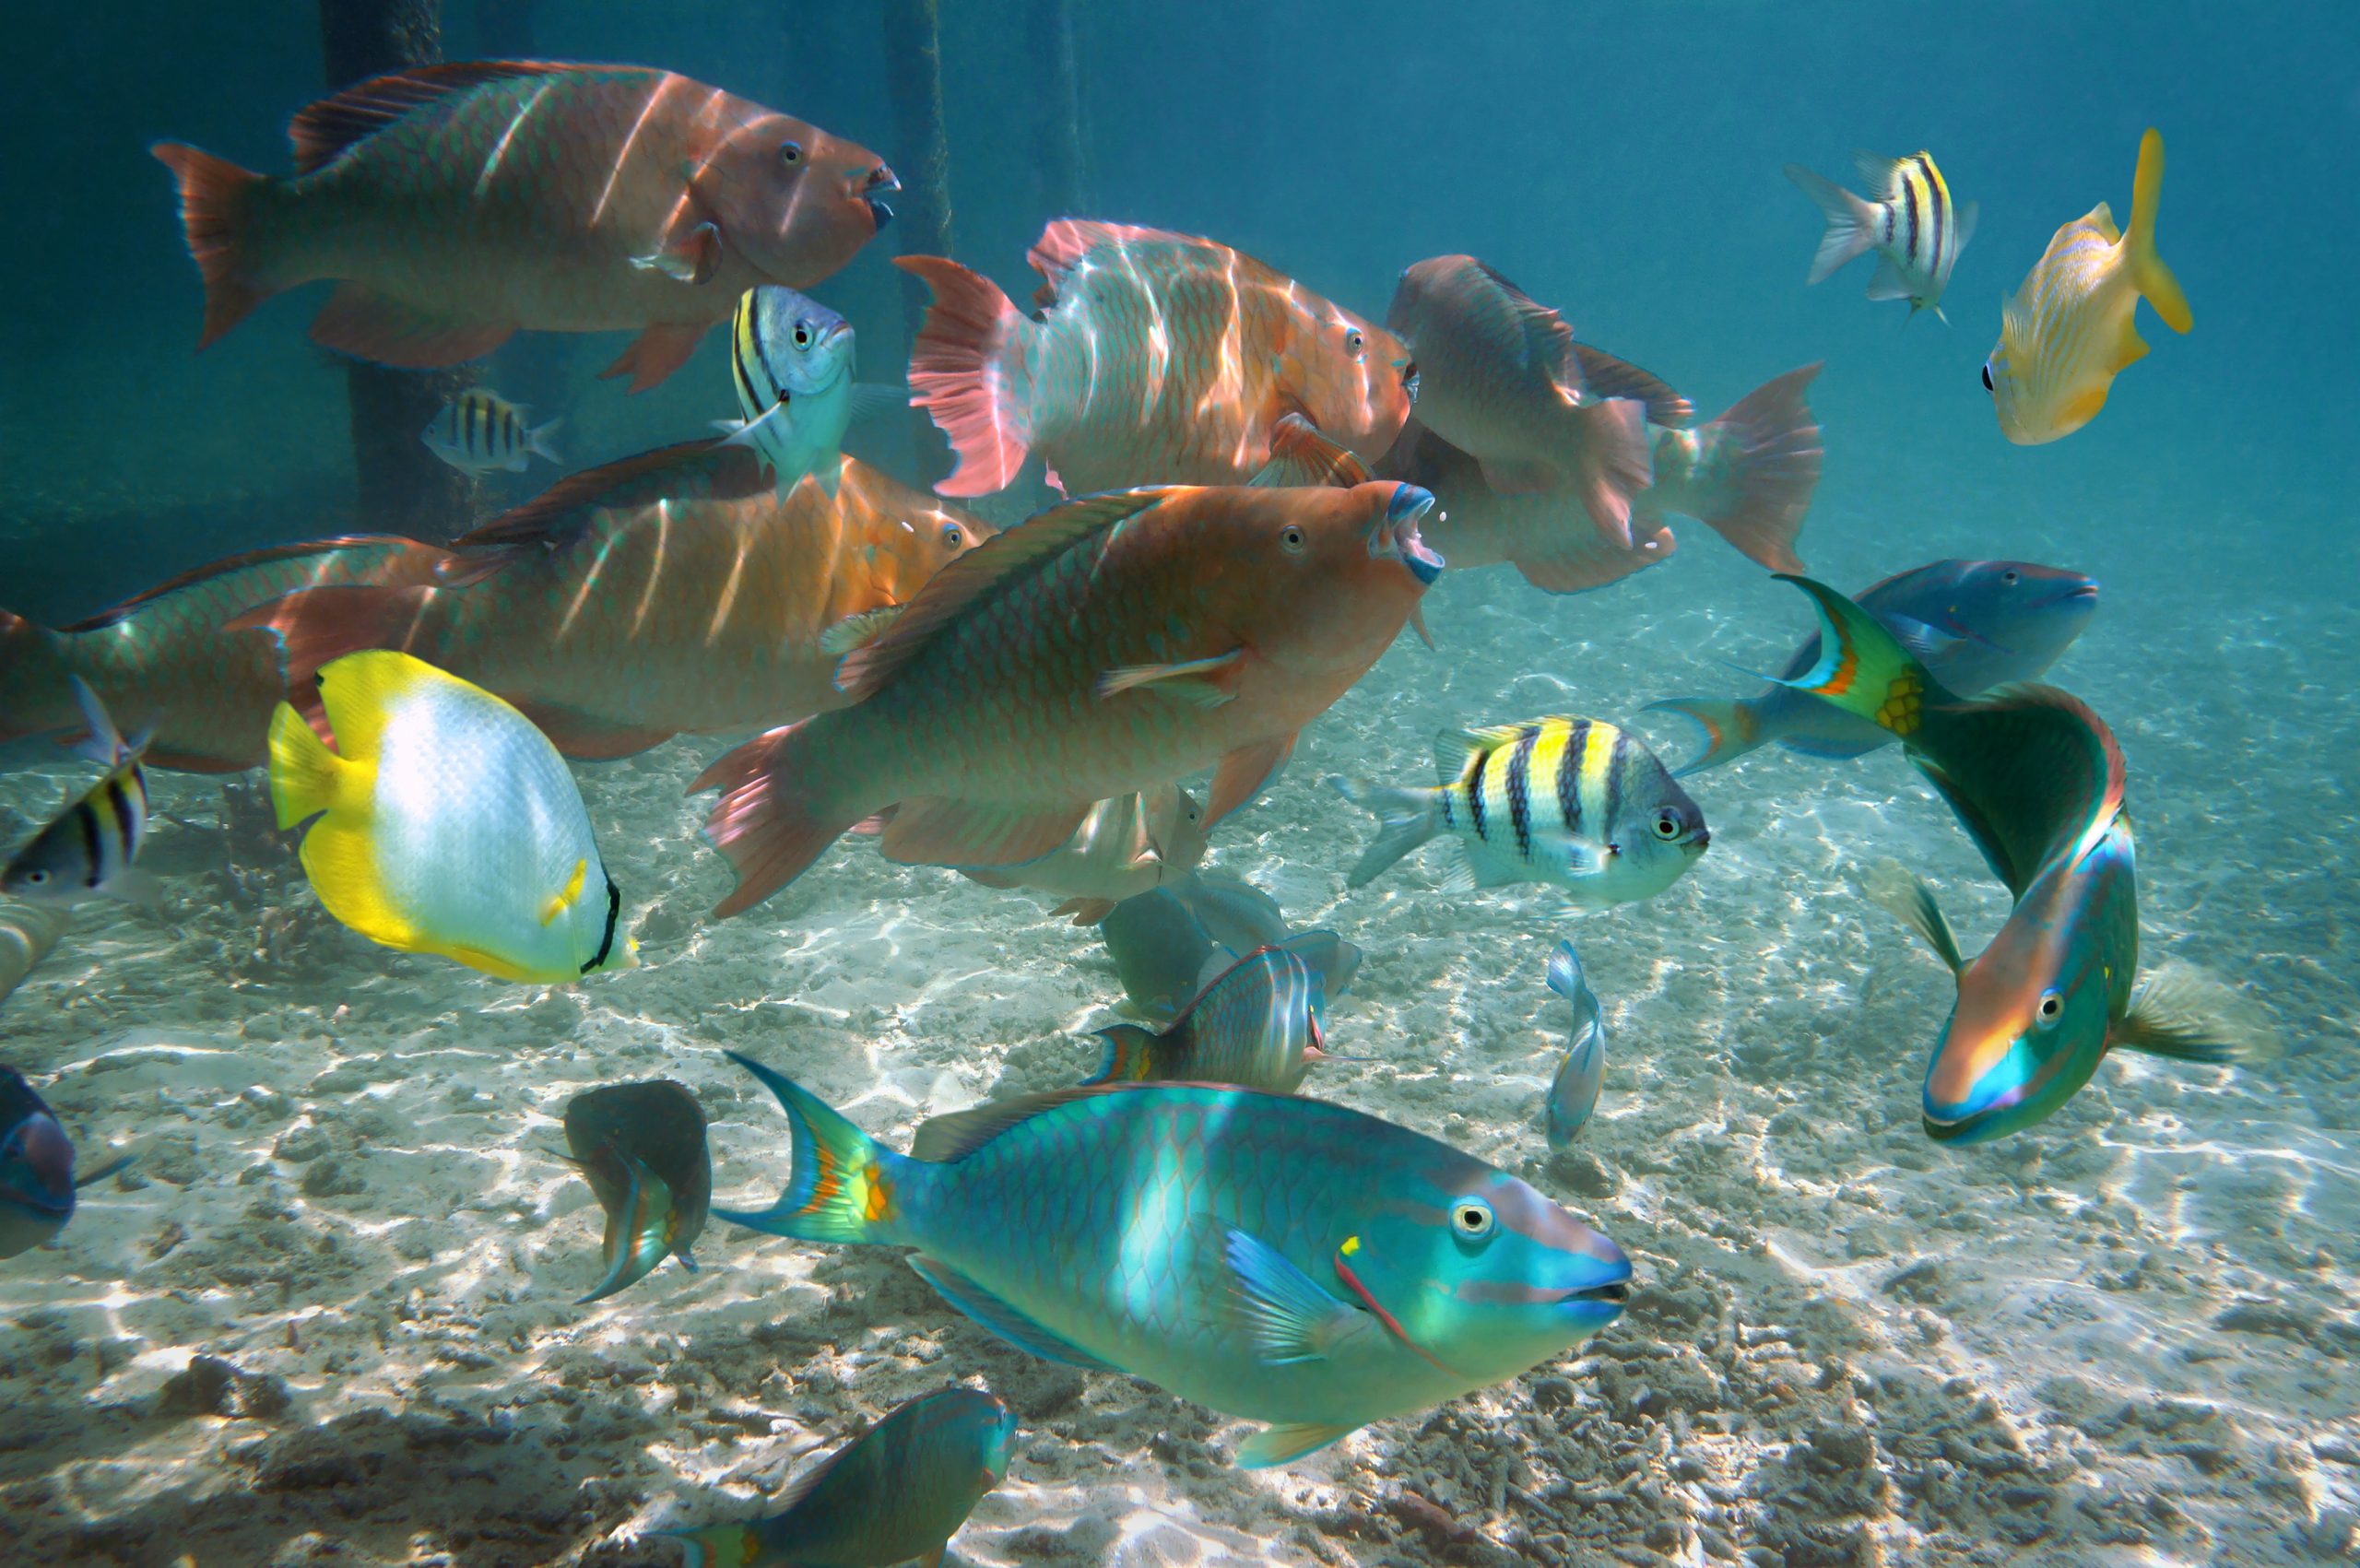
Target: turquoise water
2124	1337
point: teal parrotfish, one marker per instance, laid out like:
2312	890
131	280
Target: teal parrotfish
1280	1259
642	1148
37	1180
1574	803
2037	780
1973	625
898	1491
1572	1094
1169	943
1258	1025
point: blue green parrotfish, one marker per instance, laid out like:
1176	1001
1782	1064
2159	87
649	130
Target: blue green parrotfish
1973	625
36	1184
899	1491
2037	780
1276	1258
1572	1094
641	1147
1259	1025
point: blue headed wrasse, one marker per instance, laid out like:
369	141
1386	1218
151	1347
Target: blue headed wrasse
2037	780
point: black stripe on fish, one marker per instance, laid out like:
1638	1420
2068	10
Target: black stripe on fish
1612	806
125	831
1473	780
1934	201
1569	774
87	818
607	940
1909	196
1520	789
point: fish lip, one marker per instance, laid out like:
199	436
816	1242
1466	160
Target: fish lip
881	213
883	179
1614	1294
1398	536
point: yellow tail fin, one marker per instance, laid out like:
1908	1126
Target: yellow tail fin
304	774
2148	273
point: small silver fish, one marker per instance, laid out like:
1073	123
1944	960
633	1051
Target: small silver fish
480	430
87	850
791	358
1573	1096
1909	222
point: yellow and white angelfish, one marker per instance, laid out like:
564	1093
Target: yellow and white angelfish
2068	332
450	824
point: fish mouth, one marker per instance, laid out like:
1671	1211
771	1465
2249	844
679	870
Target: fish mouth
1399	536
1615	1294
881	213
1409	380
2086	589
882	178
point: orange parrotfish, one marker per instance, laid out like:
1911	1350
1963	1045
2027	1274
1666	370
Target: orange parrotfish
1157	358
1107	646
458	204
2038	781
670	593
163	663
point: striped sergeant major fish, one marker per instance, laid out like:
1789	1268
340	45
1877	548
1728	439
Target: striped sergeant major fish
791	358
86	851
1911	225
479	431
1576	803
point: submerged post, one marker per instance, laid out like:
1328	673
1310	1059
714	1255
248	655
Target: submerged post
403	488
922	159
1057	136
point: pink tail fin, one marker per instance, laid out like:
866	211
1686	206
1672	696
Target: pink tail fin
36	687
1617	462
962	375
216	213
771	823
1773	442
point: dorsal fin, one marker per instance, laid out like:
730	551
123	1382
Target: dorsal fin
325	129
222	568
1607	376
554	517
1067	240
1455	749
2027	769
963	580
1301	455
1547	334
961	1133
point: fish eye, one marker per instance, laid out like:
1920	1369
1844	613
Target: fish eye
2052	1008
36	878
1667	825
1987	375
1290	539
1355	342
803	335
1470	1220
955	536
2008	577
790	153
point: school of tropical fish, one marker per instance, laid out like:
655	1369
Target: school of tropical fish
1262	485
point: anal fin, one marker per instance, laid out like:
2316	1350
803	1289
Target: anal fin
359	321
941	830
1284	1444
1011	1325
1241	775
656	352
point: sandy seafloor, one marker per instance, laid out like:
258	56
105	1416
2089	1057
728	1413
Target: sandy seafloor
2125	1337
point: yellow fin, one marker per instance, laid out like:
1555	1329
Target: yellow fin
342	864
563	900
359	688
306	778
2148	273
493	965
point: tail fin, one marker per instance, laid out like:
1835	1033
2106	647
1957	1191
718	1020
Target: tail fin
1732	727
1129	1056
638	1233
1770	443
841	1184
217	214
543	440
304	774
771	822
1849	221
960	374
2148	272
716	1545
1617	462
36	690
1404	818
2179	1013
317	626
1861	669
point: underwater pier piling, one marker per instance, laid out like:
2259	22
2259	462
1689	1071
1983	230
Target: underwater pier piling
401	487
1057	140
922	159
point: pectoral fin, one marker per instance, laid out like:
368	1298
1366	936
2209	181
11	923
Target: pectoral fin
1289	1316
853	630
1197	682
690	257
565	897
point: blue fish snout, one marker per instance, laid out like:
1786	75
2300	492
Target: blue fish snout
1399	535
881	213
1599	1286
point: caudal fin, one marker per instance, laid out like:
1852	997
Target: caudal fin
36	687
962	375
1850	221
1404	818
772	824
1129	1056
1731	725
1617	462
1770	445
715	1544
218	205
2148	273
841	1183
